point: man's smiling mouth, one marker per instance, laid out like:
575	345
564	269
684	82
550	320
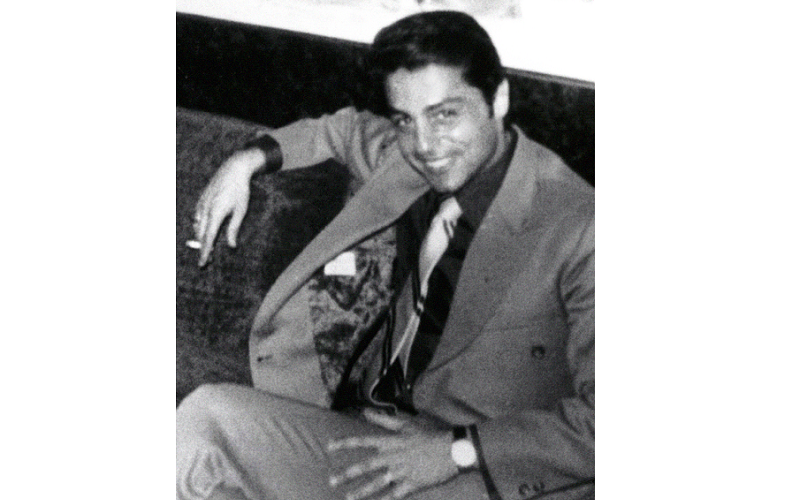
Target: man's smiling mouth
437	165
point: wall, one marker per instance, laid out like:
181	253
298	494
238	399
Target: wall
271	76
552	37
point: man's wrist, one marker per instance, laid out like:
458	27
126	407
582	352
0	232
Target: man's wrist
272	157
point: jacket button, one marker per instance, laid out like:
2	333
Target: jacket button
538	351
525	489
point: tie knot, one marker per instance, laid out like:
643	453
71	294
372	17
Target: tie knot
449	209
441	230
448	214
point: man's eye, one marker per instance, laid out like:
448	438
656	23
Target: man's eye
400	121
446	114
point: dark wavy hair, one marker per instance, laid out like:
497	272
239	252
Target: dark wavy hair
447	38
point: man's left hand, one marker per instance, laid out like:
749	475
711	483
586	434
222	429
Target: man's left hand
413	460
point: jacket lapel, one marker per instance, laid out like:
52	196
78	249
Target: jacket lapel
381	200
493	257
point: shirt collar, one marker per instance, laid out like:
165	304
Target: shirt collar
477	194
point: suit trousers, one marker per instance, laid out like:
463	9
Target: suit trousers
237	442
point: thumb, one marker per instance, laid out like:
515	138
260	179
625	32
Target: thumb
384	420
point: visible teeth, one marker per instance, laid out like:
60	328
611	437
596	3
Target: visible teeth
437	164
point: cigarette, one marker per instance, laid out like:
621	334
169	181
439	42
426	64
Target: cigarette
193	244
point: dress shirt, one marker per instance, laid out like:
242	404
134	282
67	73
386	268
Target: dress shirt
475	198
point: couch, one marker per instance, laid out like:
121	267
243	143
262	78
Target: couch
234	79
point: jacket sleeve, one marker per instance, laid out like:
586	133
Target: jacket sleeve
530	451
354	138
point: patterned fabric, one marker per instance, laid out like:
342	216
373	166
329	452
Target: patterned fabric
342	308
215	305
212	304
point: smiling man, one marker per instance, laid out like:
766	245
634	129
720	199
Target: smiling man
482	382
447	131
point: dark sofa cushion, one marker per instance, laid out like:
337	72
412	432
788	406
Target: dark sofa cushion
215	305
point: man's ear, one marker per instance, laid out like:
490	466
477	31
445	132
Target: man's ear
500	103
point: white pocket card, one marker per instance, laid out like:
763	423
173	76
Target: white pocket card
343	265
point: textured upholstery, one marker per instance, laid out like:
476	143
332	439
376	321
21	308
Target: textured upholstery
215	305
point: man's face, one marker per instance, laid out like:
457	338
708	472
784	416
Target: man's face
446	129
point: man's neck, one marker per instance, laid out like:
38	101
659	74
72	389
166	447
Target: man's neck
503	147
477	194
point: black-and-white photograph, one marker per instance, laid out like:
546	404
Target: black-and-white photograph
385	254
384	269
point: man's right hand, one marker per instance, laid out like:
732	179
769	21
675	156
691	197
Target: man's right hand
227	194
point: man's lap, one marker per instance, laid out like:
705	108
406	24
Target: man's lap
272	447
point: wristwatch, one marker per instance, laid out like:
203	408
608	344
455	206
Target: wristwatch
463	453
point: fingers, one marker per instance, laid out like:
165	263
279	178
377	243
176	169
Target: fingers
200	224
378	484
384	420
358	470
381	443
208	237
236	221
226	194
212	210
407	463
401	491
208	221
200	218
233	228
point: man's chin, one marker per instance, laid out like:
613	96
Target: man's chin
442	183
441	187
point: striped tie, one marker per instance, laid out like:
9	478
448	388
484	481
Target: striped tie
441	230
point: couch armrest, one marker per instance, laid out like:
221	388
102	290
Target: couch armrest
215	305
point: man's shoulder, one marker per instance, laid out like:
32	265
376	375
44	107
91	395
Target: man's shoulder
558	188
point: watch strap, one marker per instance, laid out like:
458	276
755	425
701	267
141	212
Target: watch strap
459	432
489	484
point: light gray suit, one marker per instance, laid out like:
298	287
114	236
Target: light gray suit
517	353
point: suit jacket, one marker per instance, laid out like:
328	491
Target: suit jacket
517	352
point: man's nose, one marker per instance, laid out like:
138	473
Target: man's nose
425	138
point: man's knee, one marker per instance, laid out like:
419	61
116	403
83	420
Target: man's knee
233	405
208	406
221	397
204	397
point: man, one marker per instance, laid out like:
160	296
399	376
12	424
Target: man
487	356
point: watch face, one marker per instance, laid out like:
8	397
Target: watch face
463	453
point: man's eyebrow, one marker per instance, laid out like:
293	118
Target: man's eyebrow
393	111
445	102
451	100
